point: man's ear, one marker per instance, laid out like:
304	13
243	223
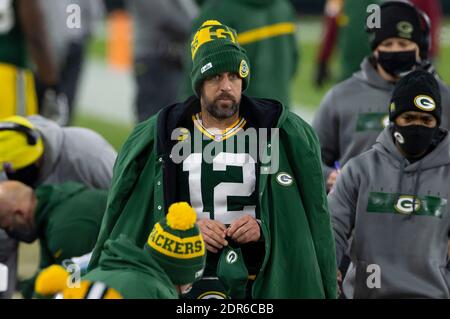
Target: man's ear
20	214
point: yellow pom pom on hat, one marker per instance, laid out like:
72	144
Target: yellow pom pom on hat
51	280
177	244
20	143
181	216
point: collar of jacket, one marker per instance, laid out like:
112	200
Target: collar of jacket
260	113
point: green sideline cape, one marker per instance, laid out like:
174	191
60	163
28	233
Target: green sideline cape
300	252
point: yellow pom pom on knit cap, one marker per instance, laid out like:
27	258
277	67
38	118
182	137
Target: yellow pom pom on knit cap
15	148
181	216
176	243
51	280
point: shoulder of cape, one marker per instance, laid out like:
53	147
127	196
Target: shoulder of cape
142	136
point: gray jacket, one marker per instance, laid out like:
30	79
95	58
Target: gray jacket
371	203
74	154
354	112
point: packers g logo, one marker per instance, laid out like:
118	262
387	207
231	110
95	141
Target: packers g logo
425	103
243	69
284	179
405	29
405	205
231	257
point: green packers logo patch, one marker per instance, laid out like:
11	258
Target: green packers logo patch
212	295
284	179
183	134
405	205
405	29
243	69
372	122
394	203
231	257
425	103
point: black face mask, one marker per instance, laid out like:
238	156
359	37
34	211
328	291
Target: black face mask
25	233
28	175
414	139
397	63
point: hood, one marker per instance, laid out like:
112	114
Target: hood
122	253
369	75
53	136
438	157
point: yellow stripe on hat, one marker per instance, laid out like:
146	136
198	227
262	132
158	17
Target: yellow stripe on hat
174	246
266	32
209	31
14	148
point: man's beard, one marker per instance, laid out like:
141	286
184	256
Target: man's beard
220	112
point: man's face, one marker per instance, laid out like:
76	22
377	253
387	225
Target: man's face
416	118
398	45
18	221
221	95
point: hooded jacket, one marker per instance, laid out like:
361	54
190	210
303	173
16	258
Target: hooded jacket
373	199
74	154
299	259
354	112
266	30
132	271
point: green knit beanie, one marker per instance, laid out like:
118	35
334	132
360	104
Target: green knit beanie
215	50
177	245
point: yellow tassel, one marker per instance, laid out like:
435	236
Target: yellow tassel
181	216
51	280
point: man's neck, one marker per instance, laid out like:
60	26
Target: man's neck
210	121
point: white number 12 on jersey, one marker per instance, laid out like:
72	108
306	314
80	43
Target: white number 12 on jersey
193	165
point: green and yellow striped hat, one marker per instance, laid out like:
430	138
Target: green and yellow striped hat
177	244
215	50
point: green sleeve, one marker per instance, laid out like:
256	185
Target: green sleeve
304	147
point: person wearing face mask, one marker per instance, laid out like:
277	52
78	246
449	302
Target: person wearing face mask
392	201
66	219
172	259
353	113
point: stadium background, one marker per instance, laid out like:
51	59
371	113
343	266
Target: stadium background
105	97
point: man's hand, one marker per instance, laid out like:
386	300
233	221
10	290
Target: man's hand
244	230
213	233
331	180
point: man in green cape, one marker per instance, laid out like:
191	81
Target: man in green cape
263	215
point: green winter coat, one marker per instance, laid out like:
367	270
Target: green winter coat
300	257
132	272
273	59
